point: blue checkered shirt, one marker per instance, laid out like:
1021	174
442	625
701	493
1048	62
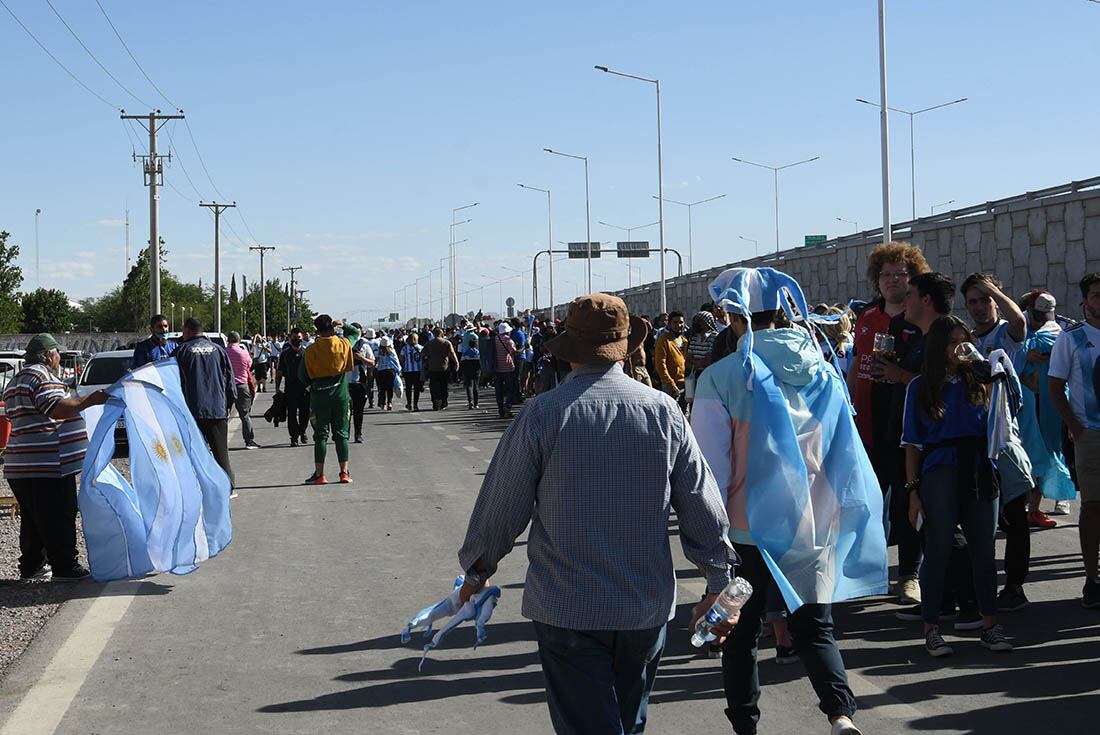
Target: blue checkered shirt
595	466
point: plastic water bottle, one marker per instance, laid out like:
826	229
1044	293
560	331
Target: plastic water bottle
736	594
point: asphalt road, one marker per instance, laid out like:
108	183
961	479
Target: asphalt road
295	627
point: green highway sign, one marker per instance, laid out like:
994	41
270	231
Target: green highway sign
816	239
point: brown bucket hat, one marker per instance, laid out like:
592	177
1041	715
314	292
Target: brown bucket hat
598	329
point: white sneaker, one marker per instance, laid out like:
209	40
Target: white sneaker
908	591
233	495
1061	508
844	726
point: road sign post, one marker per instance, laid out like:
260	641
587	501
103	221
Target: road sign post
581	250
632	249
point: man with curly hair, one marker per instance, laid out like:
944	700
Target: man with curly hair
889	268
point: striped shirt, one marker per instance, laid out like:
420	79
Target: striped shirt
40	446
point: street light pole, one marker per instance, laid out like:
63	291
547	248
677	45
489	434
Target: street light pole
453	273
587	215
549	246
660	176
849	221
775	171
941	204
218	209
884	124
755	243
37	271
913	140
689	206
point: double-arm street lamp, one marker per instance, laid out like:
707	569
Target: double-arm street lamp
549	246
913	139
660	177
775	170
454	267
689	205
587	214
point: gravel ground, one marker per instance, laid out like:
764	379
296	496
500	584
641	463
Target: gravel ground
26	606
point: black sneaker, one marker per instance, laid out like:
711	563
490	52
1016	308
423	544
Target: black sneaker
968	620
42	574
994	639
293	441
785	655
358	438
1011	599
935	644
75	574
1090	595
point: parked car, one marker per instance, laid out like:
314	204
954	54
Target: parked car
216	337
101	371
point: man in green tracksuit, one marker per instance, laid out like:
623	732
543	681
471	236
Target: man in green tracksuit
324	369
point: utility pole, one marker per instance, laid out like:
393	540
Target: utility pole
263	287
37	271
127	272
154	174
217	209
301	297
290	309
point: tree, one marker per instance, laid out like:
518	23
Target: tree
233	289
46	310
11	278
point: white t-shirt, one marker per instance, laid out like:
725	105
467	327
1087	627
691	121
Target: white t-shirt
998	338
1065	364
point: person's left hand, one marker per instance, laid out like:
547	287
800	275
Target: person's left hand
723	629
889	372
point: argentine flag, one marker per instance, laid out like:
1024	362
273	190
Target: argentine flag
175	512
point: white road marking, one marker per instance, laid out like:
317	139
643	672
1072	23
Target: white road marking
468	448
437	428
48	699
452	437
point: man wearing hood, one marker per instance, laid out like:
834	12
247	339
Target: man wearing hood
806	510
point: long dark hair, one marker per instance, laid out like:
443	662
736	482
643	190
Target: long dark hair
934	368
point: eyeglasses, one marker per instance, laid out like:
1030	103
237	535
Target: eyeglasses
894	275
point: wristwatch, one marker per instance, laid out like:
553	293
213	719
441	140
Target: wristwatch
912	485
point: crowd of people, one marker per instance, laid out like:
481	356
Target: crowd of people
960	427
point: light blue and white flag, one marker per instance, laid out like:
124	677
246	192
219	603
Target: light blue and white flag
478	608
174	513
775	424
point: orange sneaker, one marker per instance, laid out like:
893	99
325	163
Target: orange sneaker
345	478
1039	519
315	479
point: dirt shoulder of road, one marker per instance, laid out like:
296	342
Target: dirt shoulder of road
25	607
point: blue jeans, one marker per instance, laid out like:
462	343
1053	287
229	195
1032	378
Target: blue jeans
945	507
598	681
812	630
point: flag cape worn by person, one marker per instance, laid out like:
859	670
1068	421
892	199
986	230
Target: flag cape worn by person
174	512
478	608
812	503
1040	424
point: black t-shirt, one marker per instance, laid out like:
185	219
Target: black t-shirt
909	346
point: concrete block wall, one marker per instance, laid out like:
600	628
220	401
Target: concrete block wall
1037	240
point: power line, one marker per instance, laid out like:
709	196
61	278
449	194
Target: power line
131	53
201	162
172	141
64	68
93	56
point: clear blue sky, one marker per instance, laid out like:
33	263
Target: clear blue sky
348	130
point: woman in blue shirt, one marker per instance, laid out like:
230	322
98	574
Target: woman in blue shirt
411	372
950	479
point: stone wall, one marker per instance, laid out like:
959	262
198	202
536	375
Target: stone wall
1046	239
